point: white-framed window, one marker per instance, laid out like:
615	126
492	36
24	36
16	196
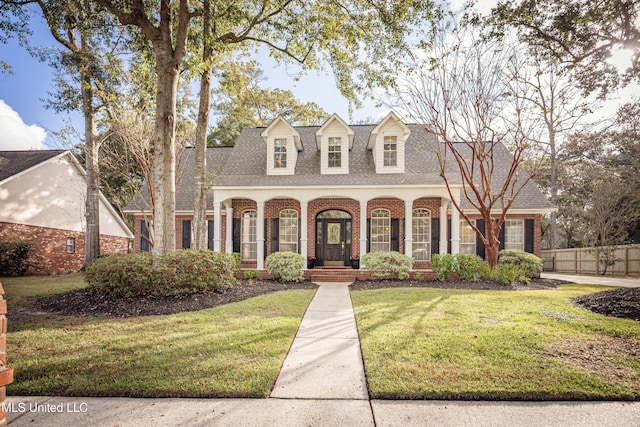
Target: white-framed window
280	153
334	153
467	237
380	230
248	245
390	151
514	234
288	232
71	245
421	229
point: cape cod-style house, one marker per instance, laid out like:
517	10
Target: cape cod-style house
334	192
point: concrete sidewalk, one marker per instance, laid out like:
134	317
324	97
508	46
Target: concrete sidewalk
322	383
594	280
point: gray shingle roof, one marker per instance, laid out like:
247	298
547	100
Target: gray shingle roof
14	162
245	165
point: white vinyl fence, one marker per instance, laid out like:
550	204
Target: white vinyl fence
584	260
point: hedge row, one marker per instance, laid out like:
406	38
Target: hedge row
177	273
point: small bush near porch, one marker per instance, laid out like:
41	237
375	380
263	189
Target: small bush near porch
425	343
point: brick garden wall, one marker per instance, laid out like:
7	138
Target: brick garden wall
50	254
6	374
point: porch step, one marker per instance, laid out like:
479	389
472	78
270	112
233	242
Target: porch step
333	278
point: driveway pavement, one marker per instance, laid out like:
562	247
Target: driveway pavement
594	280
322	383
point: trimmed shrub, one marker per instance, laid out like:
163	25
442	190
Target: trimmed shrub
469	267
529	265
285	266
177	273
14	257
388	265
443	265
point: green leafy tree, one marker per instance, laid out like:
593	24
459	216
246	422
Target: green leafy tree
582	34
359	39
241	102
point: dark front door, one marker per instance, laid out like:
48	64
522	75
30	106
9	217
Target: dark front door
334	247
333	238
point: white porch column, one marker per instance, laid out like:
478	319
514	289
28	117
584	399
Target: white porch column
363	229
260	235
304	232
455	231
229	236
443	226
217	226
408	227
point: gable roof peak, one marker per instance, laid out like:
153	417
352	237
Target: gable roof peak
335	118
281	120
396	120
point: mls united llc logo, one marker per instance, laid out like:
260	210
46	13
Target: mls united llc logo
23	407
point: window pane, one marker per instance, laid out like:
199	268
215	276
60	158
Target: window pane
280	153
514	234
467	238
390	153
288	231
249	247
421	228
335	153
380	231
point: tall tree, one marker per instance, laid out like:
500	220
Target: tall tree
556	105
359	39
460	89
86	69
582	34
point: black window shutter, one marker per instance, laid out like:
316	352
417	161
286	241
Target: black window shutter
395	234
528	235
210	234
264	230
236	234
299	236
501	237
368	235
449	236
144	236
275	235
186	234
479	242
435	236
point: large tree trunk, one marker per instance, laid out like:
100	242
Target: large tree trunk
200	188
553	188
164	173
92	147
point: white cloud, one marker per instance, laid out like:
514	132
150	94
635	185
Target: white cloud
15	134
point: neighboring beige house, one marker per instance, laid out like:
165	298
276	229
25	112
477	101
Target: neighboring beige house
42	200
336	192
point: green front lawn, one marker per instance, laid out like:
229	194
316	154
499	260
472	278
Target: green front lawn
233	350
423	343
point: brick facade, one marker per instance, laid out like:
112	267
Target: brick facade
273	207
50	255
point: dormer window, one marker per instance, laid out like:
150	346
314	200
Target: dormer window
283	144
390	153
387	144
335	153
280	153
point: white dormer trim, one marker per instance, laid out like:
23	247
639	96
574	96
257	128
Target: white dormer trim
288	138
334	133
392	129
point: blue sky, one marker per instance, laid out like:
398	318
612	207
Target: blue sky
23	115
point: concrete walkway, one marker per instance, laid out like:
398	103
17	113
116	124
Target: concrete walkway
324	361
322	383
594	280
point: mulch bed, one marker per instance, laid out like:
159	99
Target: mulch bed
623	303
